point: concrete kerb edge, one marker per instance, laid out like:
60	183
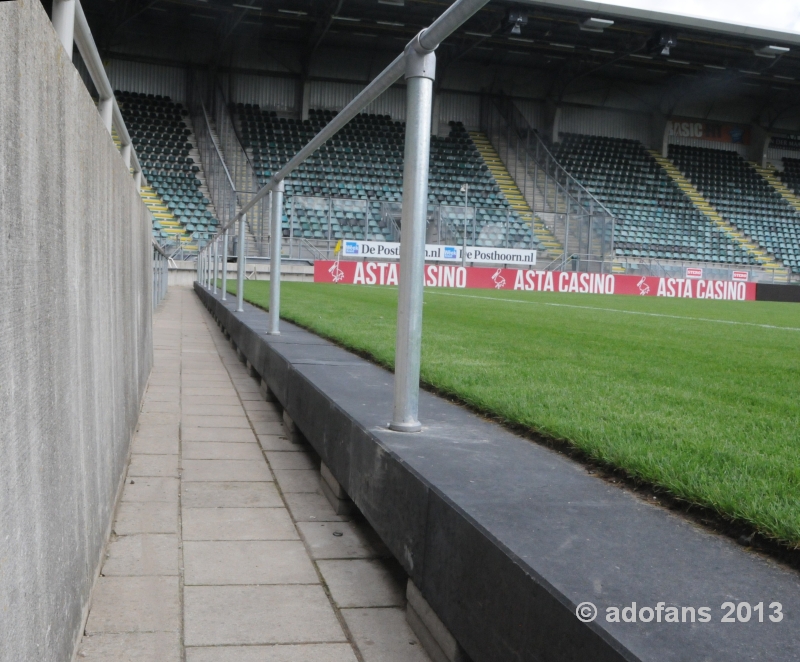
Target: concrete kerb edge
455	602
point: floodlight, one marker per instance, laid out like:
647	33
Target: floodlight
514	21
771	51
662	41
595	24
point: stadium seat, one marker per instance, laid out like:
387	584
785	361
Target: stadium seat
363	164
656	220
163	143
743	198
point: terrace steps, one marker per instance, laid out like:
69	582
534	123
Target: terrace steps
770	174
512	192
708	210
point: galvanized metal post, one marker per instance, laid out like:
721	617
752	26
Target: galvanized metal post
240	266
64	23
214	267
276	236
225	265
420	71
466	207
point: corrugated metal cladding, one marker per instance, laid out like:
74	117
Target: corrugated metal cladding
147	78
268	92
335	96
605	122
533	111
775	156
460	108
741	150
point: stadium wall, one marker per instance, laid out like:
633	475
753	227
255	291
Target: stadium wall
75	332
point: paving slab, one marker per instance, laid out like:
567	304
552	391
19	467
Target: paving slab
225	470
212	409
217	434
306	480
151	489
239	421
230	494
383	635
340	540
134	604
258	615
274	442
296	459
143	554
214	450
153	465
153	405
157	430
311	507
364	582
247	562
238	524
268	427
276	653
156	445
131	647
146	517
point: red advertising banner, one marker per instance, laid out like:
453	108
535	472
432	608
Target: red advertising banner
529	280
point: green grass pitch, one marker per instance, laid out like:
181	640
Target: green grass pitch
701	398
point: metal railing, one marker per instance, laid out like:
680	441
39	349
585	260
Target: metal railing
418	64
241	169
576	220
160	274
665	268
72	28
376	220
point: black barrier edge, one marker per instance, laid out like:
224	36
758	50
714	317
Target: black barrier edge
772	292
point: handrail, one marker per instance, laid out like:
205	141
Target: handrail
216	148
425	42
517	115
78	31
159	249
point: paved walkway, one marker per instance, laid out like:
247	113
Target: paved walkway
223	548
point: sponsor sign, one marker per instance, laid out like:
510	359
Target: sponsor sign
388	250
740	276
791	142
694	272
719	132
529	280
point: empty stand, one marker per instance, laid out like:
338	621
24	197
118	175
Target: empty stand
744	198
161	134
351	188
655	219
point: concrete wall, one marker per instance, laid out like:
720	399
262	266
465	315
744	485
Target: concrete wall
75	336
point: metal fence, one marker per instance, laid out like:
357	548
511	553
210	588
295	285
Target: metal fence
577	221
371	220
160	274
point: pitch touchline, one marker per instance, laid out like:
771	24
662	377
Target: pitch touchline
611	310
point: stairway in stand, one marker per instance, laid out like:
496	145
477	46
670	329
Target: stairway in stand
251	246
770	174
762	257
514	196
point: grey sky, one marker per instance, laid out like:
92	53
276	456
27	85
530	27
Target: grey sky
783	15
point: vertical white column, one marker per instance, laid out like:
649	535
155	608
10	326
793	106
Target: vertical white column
64	23
225	265
275	244
420	73
240	266
106	108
